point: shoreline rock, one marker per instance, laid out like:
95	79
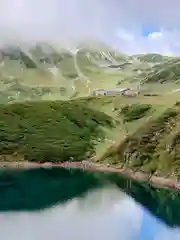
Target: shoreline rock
161	182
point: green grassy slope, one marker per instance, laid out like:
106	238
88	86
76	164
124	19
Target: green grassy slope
153	147
78	72
152	57
50	131
143	125
146	134
167	71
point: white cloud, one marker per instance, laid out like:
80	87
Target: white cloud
102	214
155	35
119	23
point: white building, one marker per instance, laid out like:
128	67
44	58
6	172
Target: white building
109	92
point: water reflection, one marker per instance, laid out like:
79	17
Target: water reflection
104	213
154	229
73	205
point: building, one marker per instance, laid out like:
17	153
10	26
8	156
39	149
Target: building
131	93
109	92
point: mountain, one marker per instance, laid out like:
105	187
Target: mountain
77	70
145	132
151	57
168	71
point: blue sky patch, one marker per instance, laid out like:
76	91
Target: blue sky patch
146	30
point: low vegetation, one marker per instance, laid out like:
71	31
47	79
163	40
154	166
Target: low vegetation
134	111
50	131
167	71
151	57
154	148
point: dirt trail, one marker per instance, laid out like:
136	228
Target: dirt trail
161	182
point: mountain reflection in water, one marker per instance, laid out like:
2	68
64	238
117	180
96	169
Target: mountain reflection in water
72	204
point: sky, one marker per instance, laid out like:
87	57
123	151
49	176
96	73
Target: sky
132	27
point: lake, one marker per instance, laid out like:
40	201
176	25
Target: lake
72	204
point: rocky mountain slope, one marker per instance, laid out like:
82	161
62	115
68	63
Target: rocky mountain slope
64	72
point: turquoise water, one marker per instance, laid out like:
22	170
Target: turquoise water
71	204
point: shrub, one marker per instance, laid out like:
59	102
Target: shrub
50	131
134	111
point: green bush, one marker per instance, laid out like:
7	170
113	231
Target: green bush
50	131
134	111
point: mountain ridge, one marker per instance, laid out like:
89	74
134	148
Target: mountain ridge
70	75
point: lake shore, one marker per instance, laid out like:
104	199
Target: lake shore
161	182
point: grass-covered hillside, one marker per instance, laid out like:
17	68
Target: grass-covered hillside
167	71
146	134
61	74
152	147
50	131
78	71
50	113
64	72
152	57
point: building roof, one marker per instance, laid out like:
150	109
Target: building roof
116	89
112	89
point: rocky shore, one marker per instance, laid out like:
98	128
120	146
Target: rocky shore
85	165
